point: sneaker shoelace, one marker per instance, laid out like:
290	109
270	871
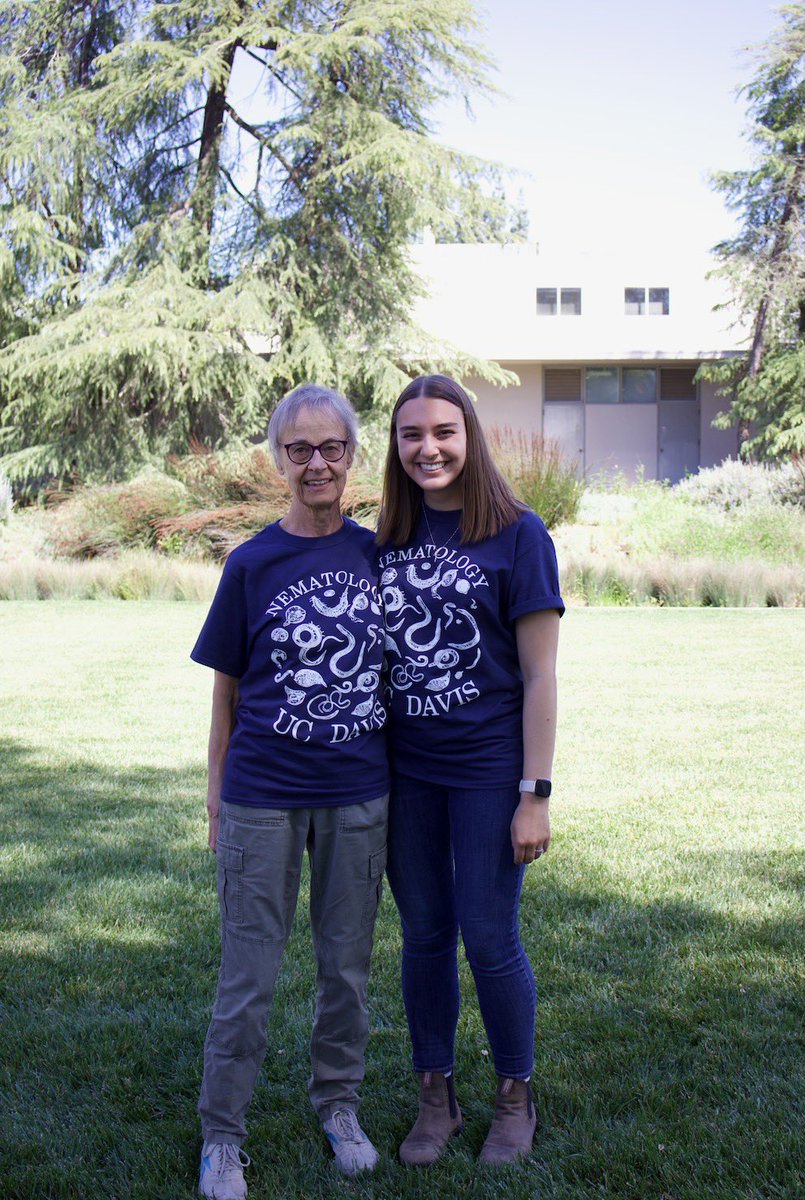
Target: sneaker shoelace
346	1125
227	1159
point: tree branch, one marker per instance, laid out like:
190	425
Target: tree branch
157	151
252	129
272	70
279	75
256	208
264	141
184	117
256	57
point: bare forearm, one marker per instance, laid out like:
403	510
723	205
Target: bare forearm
537	635
531	824
224	704
539	725
217	748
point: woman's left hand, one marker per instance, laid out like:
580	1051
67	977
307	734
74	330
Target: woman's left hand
530	829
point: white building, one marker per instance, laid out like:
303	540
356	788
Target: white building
605	344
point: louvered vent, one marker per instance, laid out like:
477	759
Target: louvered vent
562	384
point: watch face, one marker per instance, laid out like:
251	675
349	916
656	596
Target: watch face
542	788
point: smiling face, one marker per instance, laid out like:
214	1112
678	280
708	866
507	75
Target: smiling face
432	445
316	486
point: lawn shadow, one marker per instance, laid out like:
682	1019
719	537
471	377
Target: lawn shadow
669	1036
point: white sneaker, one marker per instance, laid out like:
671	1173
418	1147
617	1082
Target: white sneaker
352	1149
221	1175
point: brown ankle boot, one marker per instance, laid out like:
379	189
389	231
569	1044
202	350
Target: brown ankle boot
513	1125
439	1118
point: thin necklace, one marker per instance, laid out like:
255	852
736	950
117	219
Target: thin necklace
430	531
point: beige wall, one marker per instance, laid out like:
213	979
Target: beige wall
520	407
716	444
632	428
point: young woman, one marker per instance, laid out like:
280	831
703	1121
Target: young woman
471	595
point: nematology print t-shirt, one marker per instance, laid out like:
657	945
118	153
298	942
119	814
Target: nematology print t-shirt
297	621
455	687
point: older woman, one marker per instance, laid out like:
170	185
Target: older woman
296	761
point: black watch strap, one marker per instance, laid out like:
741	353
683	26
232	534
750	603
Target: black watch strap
540	787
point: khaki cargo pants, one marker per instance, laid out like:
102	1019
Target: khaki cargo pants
259	856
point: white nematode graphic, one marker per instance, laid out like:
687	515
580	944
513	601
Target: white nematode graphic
326	668
417	626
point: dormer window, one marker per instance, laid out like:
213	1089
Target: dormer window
634	301
564	301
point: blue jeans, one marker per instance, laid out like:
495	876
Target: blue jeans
451	867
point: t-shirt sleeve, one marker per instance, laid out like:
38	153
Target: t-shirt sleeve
223	641
534	583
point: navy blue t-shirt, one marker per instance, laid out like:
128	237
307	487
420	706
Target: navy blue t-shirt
297	621
455	687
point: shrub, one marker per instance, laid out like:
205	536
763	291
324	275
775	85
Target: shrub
101	521
133	576
207	504
736	484
665	523
604	508
214	525
214	532
591	578
538	473
244	475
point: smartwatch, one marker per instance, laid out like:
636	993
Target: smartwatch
540	787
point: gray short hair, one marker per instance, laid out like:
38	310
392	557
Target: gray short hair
310	395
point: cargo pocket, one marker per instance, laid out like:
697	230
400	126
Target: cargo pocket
368	814
230	882
377	865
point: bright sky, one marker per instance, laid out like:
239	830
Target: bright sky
617	110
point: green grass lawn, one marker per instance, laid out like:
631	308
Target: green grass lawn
665	925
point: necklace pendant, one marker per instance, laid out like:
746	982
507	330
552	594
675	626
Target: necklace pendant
438	545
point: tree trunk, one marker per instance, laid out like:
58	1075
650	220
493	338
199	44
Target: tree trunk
757	349
202	201
761	317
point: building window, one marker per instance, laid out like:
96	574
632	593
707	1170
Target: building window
616	385
634	302
569	302
602	385
639	385
658	302
546	302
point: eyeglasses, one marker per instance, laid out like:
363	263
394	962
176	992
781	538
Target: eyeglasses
333	450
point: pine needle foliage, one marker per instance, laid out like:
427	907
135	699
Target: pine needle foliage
177	249
765	262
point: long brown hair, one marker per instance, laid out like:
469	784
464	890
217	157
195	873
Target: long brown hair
489	504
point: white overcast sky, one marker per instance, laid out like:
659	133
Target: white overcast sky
615	111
